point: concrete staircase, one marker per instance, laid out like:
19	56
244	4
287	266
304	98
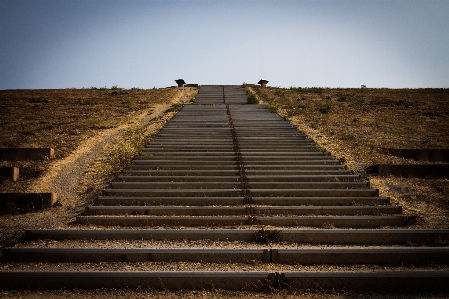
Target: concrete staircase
233	185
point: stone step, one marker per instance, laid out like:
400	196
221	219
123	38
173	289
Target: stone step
165	153
171	200
298	172
321	201
287	164
396	256
136	178
240	210
181	167
388	256
336	221
193	155
293	167
95	255
9	173
391	256
168	210
176	185
164	220
255	143
18	203
169	162
280	186
248	156
175	192
303	178
325	210
419	237
313	192
196	139
131	279
307	221
273	147
272	138
182	172
199	158
237	185
395	281
171	146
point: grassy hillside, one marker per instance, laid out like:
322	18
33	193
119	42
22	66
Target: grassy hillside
356	125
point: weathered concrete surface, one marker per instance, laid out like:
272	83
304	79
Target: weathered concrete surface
362	256
367	281
155	280
93	255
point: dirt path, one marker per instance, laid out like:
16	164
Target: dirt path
64	177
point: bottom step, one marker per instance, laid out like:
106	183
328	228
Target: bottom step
349	280
154	280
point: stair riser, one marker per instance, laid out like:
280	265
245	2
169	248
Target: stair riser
322	236
23	255
313	221
239	211
188	201
137	280
313	192
174	192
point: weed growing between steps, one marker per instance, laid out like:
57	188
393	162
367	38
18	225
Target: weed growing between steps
267	236
127	147
120	154
252	99
130	144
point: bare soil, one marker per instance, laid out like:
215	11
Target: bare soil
356	125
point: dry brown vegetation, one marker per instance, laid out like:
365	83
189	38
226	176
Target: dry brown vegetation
95	133
63	118
355	125
352	124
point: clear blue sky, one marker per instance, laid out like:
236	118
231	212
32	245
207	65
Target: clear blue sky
149	43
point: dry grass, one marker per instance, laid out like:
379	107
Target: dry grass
65	118
352	129
92	141
356	124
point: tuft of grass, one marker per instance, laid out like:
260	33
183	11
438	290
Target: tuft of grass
404	103
267	236
90	101
273	107
126	101
358	100
174	108
325	108
347	137
252	98
342	98
122	153
38	100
